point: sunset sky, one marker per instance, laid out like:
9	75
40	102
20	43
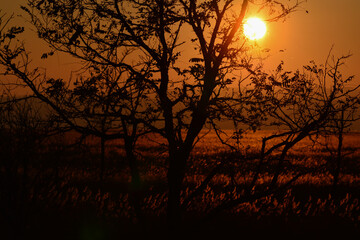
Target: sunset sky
151	118
310	36
301	38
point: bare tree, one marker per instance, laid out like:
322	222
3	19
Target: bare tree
306	103
345	112
318	101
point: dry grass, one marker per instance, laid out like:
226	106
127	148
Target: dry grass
67	179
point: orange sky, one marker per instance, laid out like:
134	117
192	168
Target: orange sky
310	36
303	36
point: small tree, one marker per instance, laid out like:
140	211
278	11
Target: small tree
24	128
308	104
303	104
345	114
104	100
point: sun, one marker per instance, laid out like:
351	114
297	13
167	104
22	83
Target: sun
254	28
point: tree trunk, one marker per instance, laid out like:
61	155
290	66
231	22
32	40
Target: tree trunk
178	155
176	173
135	194
102	159
337	169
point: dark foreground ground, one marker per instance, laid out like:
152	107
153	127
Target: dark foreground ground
90	228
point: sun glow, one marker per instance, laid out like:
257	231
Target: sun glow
254	28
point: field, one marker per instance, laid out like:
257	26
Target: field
58	192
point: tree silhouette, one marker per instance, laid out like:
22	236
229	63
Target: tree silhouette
103	100
24	127
300	105
138	79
